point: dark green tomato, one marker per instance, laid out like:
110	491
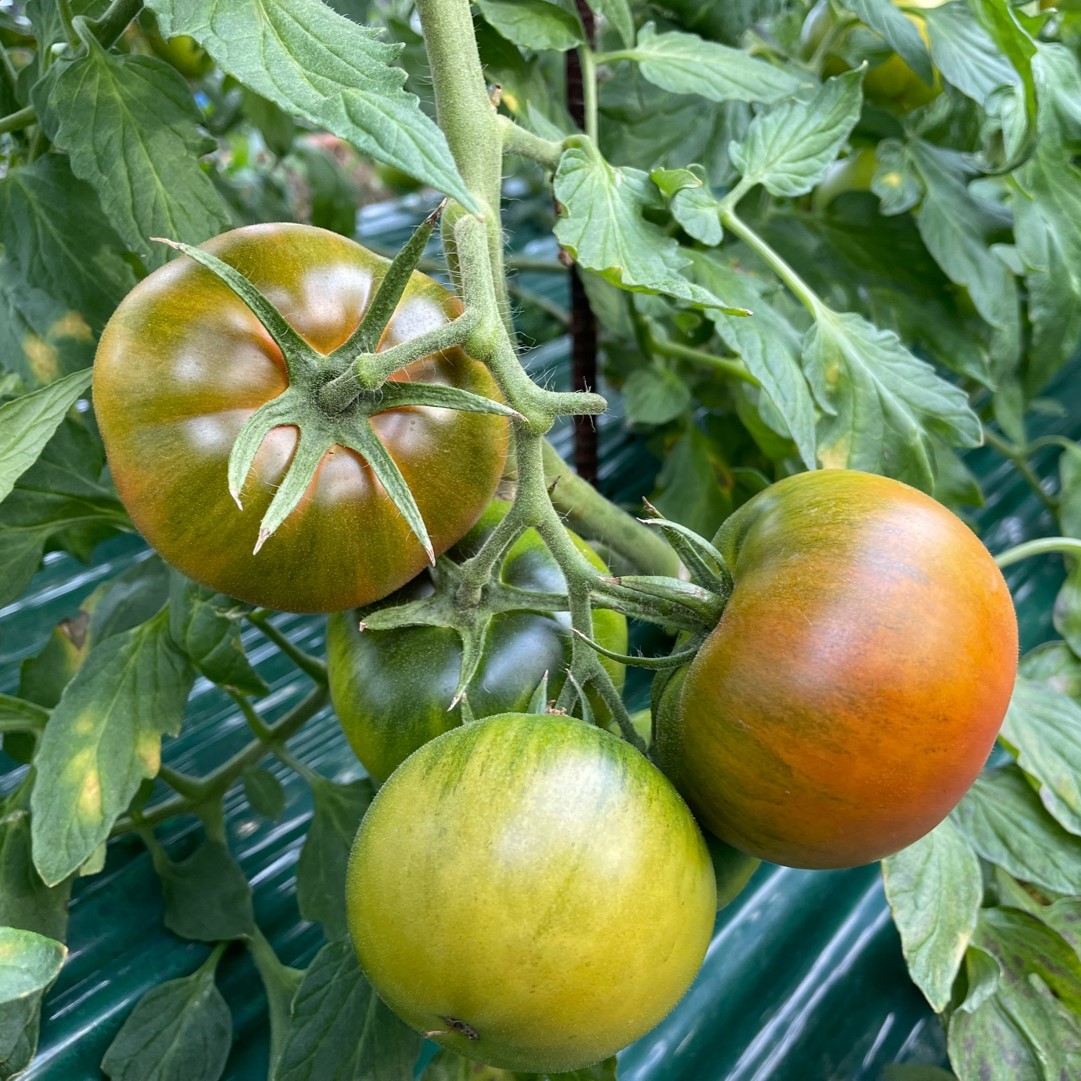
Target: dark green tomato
183	363
392	688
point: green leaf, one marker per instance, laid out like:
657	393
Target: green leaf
29	962
965	54
207	896
881	401
1004	821
934	888
602	226
1056	666
769	343
1043	731
29	422
691	492
696	211
898	30
181	1030
789	148
206	626
447	1066
58	502
314	63
915	1071
534	24
19	1024
264	793
1015	43
321	868
103	739
25	901
618	14
341	1030
655	395
685	64
53	230
129	125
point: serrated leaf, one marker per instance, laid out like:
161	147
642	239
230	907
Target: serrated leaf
20	1022
340	1028
52	229
181	1030
321	867
314	63
934	888
202	624
29	422
686	64
788	149
25	901
128	123
207	896
603	228
534	24
264	793
618	14
898	30
103	739
965	54
1004	821
655	395
1043	731
29	962
881	401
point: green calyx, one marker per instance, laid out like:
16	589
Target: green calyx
331	399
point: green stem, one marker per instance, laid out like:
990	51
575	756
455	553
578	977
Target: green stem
588	60
63	7
517	140
114	20
731	366
1018	457
23	118
23	725
311	666
1042	546
181	783
263	732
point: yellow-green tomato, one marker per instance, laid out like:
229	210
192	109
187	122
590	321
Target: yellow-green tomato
531	892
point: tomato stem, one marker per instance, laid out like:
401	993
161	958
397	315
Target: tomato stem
1041	546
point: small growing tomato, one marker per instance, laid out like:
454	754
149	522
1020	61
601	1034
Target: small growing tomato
856	681
531	892
183	363
392	689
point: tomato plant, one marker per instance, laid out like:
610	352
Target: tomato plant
183	363
856	681
392	689
557	864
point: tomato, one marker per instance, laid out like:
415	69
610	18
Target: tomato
391	688
181	52
183	363
856	681
850	174
530	891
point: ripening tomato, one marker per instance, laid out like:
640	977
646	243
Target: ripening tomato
392	689
856	681
531	892
183	363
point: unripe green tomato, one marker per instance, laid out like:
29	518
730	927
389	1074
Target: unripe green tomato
853	173
181	52
856	681
392	689
531	892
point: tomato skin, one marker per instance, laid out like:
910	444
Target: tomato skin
533	881
392	689
857	679
183	363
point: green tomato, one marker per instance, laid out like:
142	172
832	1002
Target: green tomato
530	892
856	681
391	688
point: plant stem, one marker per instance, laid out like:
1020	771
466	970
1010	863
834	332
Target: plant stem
1018	457
23	118
311	666
732	366
518	140
114	20
588	59
1041	546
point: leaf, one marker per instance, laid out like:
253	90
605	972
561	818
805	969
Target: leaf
899	32
321	868
1056	666
29	422
59	502
103	739
964	53
770	345
25	901
19	1024
181	1030
129	125
1004	821
881	401
602	226
1042	729
685	64
207	896
447	1066
534	24
618	14
29	962
691	492
314	63
264	793
789	148
205	625
934	888
655	395
915	1071
341	1031
53	230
